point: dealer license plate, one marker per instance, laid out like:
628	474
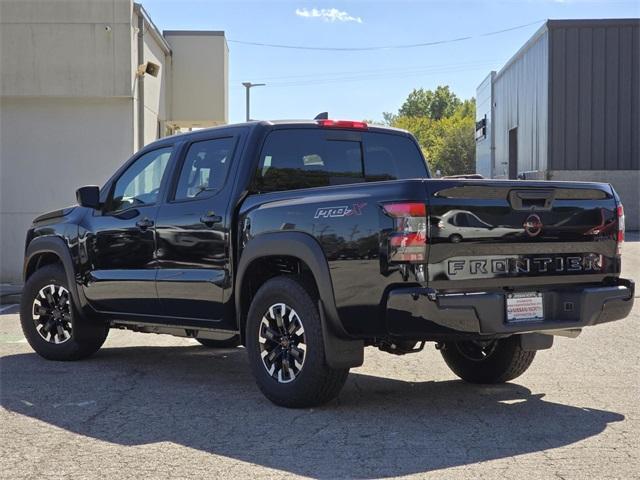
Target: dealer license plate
524	307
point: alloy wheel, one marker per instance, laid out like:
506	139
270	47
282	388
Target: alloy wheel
476	351
52	314
283	346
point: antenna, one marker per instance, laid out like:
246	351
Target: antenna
322	116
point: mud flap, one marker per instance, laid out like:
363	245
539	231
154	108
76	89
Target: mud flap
340	352
535	341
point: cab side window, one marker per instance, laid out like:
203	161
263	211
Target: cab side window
205	168
301	158
139	185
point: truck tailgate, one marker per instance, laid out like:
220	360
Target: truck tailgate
494	233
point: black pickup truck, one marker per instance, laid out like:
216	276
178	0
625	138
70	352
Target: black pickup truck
307	241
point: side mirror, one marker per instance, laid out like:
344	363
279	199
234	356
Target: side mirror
88	196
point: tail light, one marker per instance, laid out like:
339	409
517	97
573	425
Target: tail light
620	234
408	240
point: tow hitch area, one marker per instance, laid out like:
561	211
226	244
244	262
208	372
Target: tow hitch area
400	347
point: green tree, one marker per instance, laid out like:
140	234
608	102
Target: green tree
446	139
424	129
435	104
389	118
454	151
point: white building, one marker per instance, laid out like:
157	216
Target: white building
83	85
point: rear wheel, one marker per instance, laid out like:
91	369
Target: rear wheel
496	361
49	318
286	347
231	342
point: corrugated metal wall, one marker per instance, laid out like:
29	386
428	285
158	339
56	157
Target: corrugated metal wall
521	100
594	108
484	143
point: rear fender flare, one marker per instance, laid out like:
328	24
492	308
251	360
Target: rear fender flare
341	351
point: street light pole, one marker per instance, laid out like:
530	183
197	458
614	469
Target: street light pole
248	86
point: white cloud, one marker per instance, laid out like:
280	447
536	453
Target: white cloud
327	14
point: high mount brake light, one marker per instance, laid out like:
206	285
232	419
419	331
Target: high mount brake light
620	235
343	124
408	240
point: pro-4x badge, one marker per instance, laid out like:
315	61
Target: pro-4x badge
342	211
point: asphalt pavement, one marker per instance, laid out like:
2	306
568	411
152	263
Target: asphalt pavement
150	406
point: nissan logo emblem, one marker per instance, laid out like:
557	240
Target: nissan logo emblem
533	225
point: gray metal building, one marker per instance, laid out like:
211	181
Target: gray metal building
566	106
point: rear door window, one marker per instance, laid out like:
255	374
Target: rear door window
204	169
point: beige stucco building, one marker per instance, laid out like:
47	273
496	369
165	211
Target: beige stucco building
83	85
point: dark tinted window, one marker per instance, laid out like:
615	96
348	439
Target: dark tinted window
391	157
459	220
205	168
293	159
475	222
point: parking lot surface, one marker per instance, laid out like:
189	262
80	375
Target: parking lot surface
149	406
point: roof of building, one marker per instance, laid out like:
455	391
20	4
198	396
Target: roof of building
195	33
568	23
155	32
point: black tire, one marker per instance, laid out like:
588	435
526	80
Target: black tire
502	361
315	383
82	339
232	342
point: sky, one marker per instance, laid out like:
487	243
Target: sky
364	83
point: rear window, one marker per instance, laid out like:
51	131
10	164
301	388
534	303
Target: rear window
392	157
305	158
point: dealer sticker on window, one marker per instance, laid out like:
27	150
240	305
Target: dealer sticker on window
524	307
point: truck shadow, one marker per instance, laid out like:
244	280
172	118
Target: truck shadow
207	400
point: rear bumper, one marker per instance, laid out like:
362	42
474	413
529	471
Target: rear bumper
423	311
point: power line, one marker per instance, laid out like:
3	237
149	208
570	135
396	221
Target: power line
370	77
395	70
382	47
378	76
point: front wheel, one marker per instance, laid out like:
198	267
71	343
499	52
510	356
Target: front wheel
286	347
495	361
49	318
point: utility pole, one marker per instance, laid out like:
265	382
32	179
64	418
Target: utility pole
248	86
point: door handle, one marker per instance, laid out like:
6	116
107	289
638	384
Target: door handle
210	218
531	199
144	223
